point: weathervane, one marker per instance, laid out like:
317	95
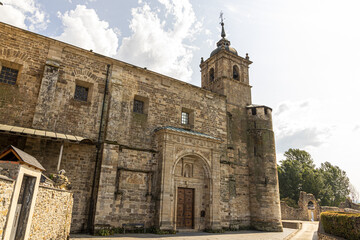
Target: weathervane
223	35
222	17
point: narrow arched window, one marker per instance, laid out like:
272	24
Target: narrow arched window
236	72
211	75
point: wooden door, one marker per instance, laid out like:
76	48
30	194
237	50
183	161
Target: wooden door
185	208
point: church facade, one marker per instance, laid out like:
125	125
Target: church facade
139	147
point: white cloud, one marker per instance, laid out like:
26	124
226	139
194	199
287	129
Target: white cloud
297	125
83	28
210	42
26	14
160	44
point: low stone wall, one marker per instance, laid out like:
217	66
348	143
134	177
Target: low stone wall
52	214
290	213
6	190
349	204
330	209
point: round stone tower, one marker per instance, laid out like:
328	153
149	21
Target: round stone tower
264	187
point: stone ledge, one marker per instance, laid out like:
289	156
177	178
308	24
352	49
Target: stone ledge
293	225
2	177
294	233
56	189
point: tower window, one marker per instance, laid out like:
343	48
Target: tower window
235	72
138	106
253	111
211	75
8	75
81	93
184	118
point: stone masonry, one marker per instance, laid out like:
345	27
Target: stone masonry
52	215
6	190
146	137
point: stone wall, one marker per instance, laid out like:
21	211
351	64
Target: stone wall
6	190
165	98
349	204
291	213
52	214
303	212
26	52
126	183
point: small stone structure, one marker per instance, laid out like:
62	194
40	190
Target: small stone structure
308	210
30	206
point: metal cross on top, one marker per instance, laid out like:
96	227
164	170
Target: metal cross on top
222	17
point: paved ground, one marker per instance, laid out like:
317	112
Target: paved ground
243	235
307	232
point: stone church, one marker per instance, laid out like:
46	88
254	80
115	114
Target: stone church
139	147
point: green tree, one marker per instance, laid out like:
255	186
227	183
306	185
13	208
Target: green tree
336	185
298	173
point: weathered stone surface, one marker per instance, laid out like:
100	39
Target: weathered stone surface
138	169
52	214
305	211
6	190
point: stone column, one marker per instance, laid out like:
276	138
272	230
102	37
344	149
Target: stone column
215	199
166	213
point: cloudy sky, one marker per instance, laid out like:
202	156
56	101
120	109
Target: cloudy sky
305	52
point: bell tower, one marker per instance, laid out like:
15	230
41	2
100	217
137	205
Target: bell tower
226	73
250	195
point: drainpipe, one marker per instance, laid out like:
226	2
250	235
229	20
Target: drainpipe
92	206
60	157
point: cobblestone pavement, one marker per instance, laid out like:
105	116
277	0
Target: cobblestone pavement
243	235
307	232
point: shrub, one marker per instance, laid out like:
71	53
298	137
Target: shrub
346	225
105	232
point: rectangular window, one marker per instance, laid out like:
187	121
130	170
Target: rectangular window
8	75
81	93
138	106
184	118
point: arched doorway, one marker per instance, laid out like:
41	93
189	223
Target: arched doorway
311	209
191	188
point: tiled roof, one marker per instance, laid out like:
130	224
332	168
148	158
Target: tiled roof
26	158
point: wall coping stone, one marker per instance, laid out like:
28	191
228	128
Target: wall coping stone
56	189
6	178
